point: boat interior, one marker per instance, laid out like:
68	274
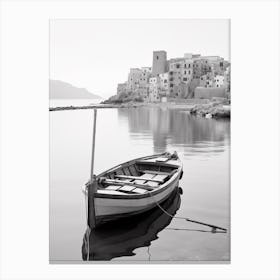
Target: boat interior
137	177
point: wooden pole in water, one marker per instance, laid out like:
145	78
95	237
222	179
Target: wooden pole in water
93	145
92	186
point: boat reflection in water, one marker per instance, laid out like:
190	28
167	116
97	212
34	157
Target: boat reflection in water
121	238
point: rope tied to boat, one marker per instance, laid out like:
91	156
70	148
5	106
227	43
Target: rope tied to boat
214	228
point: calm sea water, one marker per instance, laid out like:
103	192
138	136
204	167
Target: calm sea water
123	134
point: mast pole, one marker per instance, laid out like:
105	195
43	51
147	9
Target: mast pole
93	145
92	186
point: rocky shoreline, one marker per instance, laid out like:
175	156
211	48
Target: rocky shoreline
211	110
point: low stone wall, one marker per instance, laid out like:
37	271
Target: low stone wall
208	93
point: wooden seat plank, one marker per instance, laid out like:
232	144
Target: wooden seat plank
152	184
112	187
122	183
141	178
160	177
140	191
144	176
126	188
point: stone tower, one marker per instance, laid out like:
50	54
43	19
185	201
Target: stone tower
159	62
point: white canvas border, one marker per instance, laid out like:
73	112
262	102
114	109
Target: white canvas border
255	138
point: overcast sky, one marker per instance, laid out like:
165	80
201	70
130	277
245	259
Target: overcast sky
97	54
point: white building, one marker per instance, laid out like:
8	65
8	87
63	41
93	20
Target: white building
163	80
219	81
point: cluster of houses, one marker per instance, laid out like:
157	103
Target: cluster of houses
191	76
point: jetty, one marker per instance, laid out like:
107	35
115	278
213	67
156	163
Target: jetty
95	106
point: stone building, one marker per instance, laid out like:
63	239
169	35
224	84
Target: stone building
197	68
180	76
142	93
133	80
227	79
154	89
208	93
121	89
143	88
187	70
145	76
207	80
163	84
174	77
159	62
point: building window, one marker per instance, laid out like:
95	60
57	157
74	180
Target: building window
157	57
171	85
189	66
177	66
185	65
185	79
185	72
171	73
189	72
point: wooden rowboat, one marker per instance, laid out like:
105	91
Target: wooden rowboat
132	188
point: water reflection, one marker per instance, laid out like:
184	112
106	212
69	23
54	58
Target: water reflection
175	127
122	237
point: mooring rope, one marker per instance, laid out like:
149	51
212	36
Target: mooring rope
186	219
149	254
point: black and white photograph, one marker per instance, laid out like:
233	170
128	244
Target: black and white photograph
140	140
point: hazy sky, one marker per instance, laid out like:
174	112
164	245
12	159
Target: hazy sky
97	54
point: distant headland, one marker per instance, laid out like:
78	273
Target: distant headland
62	90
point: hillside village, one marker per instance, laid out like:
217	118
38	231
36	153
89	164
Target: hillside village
192	76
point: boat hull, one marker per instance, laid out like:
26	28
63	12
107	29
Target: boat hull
109	209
